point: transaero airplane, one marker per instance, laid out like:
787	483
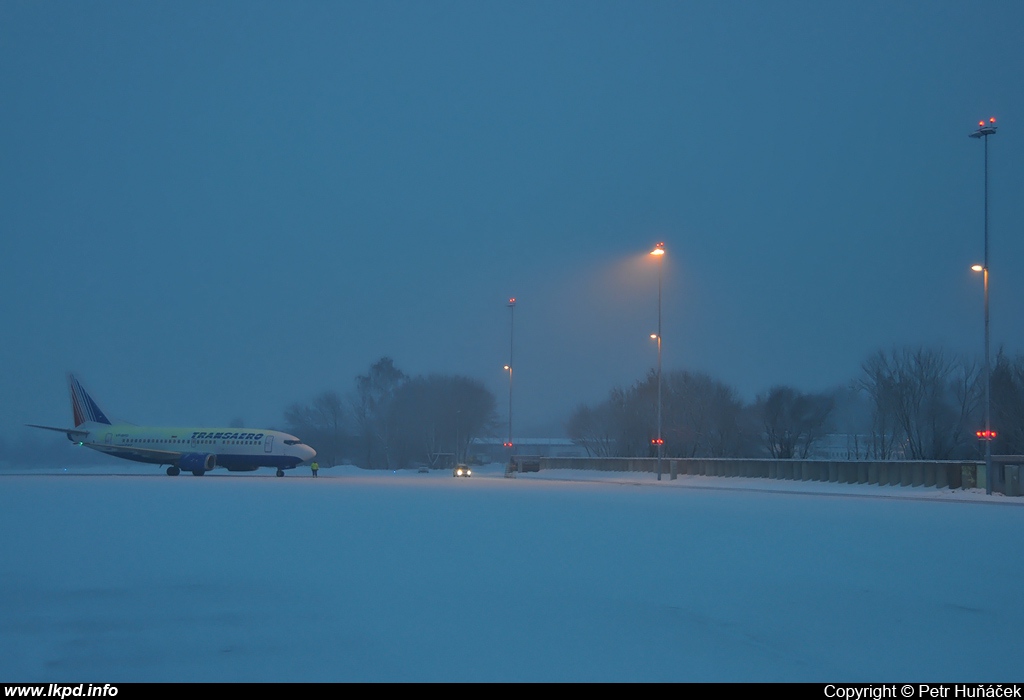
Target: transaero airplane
197	450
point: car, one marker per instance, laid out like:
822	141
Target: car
462	470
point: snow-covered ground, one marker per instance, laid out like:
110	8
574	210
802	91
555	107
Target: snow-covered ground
119	573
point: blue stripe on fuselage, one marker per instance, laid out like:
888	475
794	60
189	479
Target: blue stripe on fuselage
241	462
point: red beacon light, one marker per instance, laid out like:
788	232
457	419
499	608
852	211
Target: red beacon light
986	434
984	129
657	441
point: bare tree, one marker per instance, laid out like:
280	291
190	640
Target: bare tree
924	402
593	429
440	414
852	417
1008	404
321	424
879	383
634	410
793	420
375	391
701	417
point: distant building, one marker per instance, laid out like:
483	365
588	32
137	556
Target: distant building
847	446
487	450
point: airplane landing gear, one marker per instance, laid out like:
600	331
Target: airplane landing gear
280	472
173	471
198	472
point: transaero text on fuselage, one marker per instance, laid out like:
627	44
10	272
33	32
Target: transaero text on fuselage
227	436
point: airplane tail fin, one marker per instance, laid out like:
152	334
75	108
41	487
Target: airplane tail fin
82	406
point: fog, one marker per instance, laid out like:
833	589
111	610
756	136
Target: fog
212	211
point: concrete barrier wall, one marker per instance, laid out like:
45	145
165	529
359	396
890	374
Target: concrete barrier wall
934	474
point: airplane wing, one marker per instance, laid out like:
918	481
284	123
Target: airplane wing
72	433
139	454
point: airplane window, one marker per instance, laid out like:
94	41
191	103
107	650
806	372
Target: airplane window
293	442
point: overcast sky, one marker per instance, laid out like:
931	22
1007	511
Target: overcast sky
210	210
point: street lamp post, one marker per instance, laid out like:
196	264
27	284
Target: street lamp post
983	132
511	346
987	435
508	443
659	253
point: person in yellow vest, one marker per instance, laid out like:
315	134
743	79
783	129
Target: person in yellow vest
314	466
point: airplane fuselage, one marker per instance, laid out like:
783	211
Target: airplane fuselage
235	449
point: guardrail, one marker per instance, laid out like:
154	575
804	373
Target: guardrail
936	474
526	463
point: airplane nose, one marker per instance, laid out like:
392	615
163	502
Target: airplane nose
308	453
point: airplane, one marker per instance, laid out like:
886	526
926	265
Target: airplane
197	450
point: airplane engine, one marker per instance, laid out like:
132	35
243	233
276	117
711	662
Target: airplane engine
197	463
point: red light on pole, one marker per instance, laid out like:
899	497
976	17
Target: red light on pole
986	434
657	441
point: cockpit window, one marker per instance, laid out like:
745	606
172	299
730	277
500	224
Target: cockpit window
293	442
